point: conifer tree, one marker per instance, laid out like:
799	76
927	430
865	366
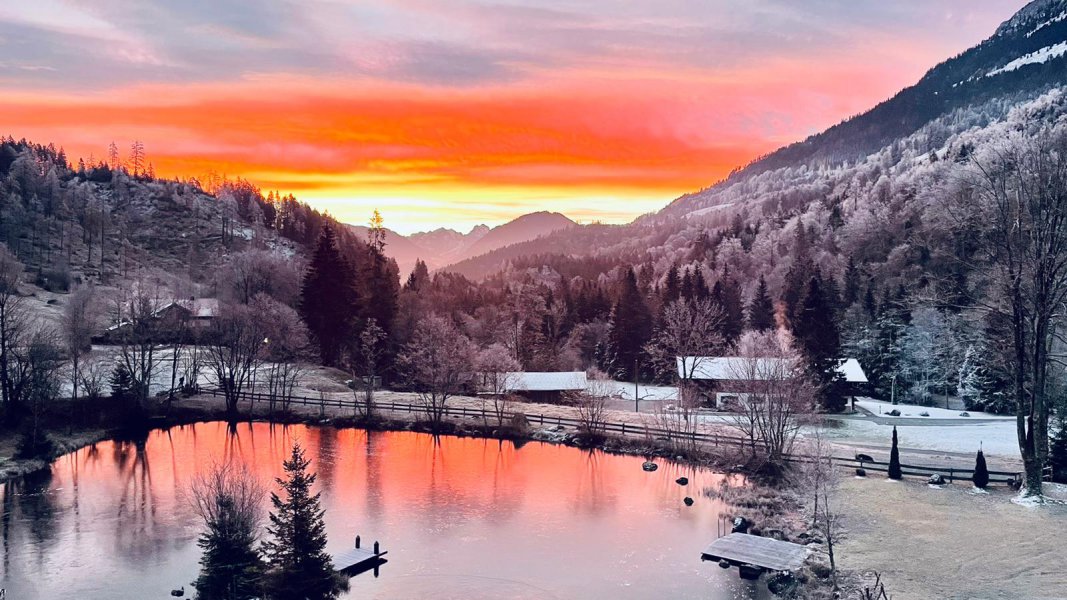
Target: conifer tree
631	328
815	330
229	501
761	308
894	459
851	293
297	563
671	286
726	295
328	299
981	472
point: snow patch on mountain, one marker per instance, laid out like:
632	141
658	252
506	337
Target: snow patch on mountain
1037	57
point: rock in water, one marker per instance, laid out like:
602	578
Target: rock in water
741	525
649	466
782	583
682	481
688	501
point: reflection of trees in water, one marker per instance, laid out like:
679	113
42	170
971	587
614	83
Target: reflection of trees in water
593	495
139	535
505	498
373	475
29	516
325	447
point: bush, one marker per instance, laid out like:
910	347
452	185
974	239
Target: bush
31	445
981	473
894	459
1058	454
54	280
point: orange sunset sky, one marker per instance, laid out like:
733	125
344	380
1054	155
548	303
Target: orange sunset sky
458	112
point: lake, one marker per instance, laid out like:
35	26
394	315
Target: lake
461	517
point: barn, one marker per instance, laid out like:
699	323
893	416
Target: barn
718	377
545	386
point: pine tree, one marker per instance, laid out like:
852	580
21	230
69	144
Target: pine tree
230	568
761	308
981	473
671	289
851	293
726	294
894	459
328	299
815	330
631	328
297	563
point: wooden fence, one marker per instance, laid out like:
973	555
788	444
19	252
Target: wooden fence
951	474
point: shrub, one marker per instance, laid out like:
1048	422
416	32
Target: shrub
894	459
33	444
1058	454
981	473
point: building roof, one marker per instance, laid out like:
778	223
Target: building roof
852	371
559	381
733	368
199	308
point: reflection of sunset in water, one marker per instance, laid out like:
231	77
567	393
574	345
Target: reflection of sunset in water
469	517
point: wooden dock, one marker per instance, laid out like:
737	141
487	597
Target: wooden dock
357	560
768	554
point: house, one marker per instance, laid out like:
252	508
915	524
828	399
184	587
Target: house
182	320
197	313
544	386
719	378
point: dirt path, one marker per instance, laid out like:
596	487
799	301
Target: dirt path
950	543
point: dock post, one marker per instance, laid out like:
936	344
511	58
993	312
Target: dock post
376	553
357	542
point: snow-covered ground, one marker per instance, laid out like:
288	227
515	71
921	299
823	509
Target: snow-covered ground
625	390
997	438
912	411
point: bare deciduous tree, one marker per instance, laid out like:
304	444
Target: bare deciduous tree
774	395
437	364
287	344
78	322
690	331
14	321
234	350
136	328
1021	191
591	406
370	350
499	373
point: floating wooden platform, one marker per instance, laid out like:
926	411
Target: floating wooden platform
741	549
358	560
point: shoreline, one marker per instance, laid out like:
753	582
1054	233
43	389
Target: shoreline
768	508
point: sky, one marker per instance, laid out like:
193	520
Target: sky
458	112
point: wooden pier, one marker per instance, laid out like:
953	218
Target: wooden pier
754	554
357	560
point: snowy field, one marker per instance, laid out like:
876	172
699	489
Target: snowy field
625	390
997	438
912	411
